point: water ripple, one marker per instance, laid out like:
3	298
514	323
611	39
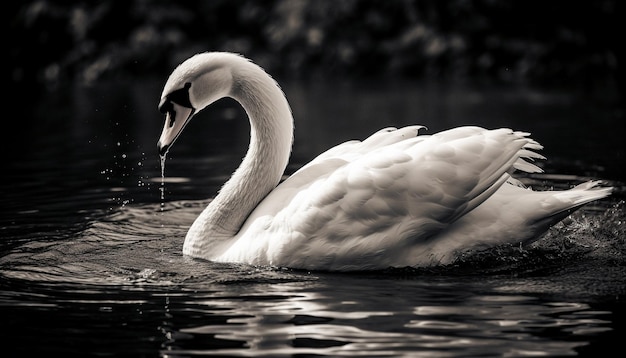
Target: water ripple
124	269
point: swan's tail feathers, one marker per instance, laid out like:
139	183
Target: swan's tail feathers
583	194
559	204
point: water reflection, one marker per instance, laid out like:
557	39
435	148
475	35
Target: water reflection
351	320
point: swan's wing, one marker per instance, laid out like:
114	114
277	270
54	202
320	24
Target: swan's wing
327	163
471	163
440	177
339	214
445	175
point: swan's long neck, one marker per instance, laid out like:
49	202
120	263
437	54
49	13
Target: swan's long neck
271	136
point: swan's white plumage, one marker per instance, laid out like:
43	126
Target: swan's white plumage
393	199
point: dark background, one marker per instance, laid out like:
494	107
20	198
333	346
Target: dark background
577	44
84	77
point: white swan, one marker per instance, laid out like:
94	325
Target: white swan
393	200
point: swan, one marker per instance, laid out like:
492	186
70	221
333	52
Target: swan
395	199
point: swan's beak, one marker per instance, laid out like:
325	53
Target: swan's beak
175	121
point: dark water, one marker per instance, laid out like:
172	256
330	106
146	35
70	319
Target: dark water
91	265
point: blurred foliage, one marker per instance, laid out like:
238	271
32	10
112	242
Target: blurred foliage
53	41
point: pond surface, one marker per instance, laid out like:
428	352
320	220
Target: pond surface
90	254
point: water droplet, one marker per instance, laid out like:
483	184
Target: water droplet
162	181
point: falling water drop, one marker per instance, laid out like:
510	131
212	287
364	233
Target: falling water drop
162	189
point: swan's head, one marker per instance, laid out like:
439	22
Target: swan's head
194	84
